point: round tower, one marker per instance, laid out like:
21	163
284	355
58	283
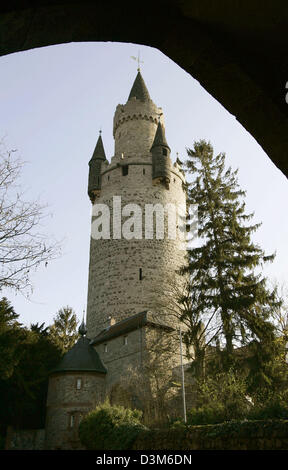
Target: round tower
132	263
75	387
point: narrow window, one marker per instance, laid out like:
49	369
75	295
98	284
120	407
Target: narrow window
72	420
105	348
164	151
125	340
143	171
125	170
108	177
78	384
140	274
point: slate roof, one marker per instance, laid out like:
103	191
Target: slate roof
160	138
125	326
139	89
99	152
81	358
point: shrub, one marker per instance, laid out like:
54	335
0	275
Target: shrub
235	435
274	406
220	398
110	428
207	414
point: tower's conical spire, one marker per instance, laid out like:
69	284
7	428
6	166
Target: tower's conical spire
139	89
160	139
99	152
95	169
160	151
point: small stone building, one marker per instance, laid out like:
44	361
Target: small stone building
76	385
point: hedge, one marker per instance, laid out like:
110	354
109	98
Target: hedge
234	435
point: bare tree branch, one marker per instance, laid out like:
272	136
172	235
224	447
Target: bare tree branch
22	247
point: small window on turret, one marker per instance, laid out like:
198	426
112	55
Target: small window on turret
164	151
105	348
125	340
125	170
108	177
72	419
140	274
143	171
78	384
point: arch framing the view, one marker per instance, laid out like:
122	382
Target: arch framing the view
236	50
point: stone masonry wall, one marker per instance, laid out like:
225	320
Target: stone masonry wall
134	128
122	359
64	401
25	439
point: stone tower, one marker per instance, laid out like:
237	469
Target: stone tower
127	272
131	351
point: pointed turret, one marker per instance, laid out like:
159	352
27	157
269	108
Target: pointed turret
139	89
99	152
160	138
160	157
95	166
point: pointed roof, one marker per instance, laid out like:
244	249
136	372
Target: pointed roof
99	152
81	358
139	89
160	138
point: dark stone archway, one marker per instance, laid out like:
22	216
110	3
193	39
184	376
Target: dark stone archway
236	50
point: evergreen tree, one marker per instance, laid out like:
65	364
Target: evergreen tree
222	269
26	358
64	329
28	385
10	336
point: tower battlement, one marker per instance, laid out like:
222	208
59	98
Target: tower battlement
134	128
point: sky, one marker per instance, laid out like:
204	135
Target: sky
53	102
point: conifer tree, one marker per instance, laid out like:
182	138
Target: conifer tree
10	336
223	267
64	329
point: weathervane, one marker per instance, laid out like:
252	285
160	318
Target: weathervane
138	60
